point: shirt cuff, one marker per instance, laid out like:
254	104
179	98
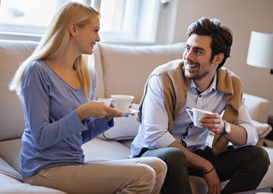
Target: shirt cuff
110	123
163	141
252	136
77	125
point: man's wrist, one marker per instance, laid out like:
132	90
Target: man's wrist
226	128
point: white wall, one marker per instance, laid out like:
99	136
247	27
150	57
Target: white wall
241	16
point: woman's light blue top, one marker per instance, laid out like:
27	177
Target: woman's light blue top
54	133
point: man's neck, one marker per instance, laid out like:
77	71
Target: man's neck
203	84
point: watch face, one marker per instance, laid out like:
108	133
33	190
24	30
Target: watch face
227	128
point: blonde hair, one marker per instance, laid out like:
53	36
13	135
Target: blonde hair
55	41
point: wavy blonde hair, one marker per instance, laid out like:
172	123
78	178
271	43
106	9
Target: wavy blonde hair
55	42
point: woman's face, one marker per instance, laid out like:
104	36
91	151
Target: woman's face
87	36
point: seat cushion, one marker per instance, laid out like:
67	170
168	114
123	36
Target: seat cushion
100	150
10	152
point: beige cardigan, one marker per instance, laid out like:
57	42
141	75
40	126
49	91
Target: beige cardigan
172	74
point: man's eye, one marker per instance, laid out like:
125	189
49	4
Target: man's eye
197	51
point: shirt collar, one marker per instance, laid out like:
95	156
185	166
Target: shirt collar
212	86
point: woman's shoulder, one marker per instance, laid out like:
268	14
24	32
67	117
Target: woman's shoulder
35	72
36	66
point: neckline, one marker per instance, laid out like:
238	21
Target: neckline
61	78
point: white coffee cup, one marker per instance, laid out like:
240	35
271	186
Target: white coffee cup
121	102
196	115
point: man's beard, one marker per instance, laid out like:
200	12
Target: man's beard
197	74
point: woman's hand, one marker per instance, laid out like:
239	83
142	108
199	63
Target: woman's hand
97	110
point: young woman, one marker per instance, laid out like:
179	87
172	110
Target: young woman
57	89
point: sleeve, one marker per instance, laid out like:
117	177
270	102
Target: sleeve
154	117
95	126
35	91
244	120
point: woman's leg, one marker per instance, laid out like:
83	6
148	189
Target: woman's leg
120	176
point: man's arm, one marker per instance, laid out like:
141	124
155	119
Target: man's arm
242	134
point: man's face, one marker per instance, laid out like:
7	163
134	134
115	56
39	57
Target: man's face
197	58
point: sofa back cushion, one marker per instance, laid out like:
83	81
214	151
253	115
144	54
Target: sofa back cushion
12	54
125	69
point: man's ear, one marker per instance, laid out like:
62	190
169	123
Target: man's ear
72	28
218	59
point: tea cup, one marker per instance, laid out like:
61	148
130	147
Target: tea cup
195	114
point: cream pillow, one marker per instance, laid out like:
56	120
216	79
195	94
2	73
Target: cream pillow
125	128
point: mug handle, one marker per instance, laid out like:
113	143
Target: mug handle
113	103
190	110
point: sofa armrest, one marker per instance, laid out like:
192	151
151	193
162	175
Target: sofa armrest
263	129
258	107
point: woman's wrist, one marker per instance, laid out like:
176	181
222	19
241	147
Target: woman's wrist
81	112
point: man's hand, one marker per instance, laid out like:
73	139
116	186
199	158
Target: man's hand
213	122
213	182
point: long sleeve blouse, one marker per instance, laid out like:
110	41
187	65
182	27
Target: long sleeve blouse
54	133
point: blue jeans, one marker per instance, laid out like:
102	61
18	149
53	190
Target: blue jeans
245	168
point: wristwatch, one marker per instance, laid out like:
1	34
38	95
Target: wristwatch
226	128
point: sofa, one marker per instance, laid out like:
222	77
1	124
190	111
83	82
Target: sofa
119	70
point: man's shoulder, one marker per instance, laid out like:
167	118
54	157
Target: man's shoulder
226	73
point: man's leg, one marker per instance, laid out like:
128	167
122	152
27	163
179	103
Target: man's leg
177	179
245	167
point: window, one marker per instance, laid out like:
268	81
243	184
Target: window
121	20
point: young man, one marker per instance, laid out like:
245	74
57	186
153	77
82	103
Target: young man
166	130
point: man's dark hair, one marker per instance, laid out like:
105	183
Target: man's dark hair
221	36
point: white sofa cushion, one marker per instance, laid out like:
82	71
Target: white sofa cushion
258	107
100	150
11	182
125	69
10	152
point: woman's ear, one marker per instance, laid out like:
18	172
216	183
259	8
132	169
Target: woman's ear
72	28
218	59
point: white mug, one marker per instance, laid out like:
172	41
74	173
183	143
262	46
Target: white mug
197	114
121	102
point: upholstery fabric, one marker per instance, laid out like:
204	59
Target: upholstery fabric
10	185
138	62
258	107
12	122
10	152
100	150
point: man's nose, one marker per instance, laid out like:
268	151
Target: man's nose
189	55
